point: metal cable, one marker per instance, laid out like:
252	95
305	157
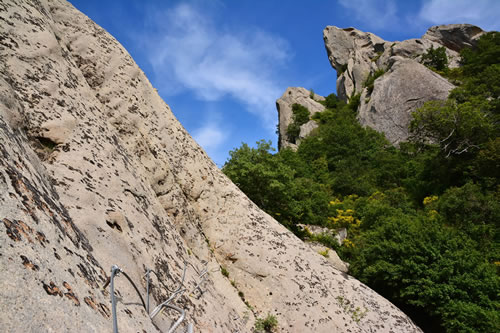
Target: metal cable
165	303
115	270
136	289
180	320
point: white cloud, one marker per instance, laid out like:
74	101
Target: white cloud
192	53
484	13
212	138
380	14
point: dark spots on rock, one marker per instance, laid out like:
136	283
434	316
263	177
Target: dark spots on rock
51	289
70	294
104	310
16	229
114	225
28	264
101	308
89	300
70	271
40	237
127	311
34	200
8	42
129	223
58	257
88	276
32	77
11	230
61	103
133	109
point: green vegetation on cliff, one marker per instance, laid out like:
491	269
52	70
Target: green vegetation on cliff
422	219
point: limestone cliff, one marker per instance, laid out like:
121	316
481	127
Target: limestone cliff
405	84
95	171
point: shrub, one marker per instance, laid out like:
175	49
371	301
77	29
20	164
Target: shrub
267	325
370	80
300	116
354	102
436	59
332	101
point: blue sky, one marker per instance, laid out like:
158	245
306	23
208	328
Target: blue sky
221	65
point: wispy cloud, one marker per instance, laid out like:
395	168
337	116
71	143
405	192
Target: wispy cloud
192	53
212	137
484	13
379	15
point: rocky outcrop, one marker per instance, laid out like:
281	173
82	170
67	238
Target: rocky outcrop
400	90
454	36
394	97
291	96
95	171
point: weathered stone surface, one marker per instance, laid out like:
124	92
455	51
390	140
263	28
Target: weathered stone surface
330	255
454	36
396	94
95	170
351	52
302	96
356	55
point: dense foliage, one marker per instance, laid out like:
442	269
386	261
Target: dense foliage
300	116
422	219
436	58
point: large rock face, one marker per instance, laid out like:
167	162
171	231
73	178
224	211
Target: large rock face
95	170
406	85
396	94
296	95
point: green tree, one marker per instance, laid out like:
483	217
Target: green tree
456	128
436	58
300	116
429	270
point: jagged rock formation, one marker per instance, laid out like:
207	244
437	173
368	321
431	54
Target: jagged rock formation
291	96
405	85
95	170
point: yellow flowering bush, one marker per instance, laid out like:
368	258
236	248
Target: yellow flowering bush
344	219
429	200
348	243
433	214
